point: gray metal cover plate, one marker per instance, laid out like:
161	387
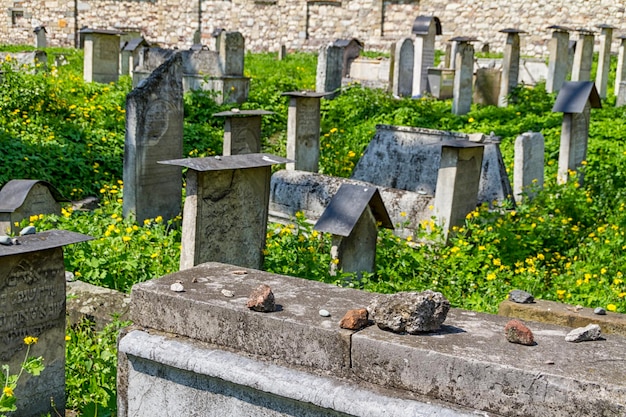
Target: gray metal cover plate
43	240
219	163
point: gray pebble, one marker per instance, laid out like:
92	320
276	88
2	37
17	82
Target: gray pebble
599	311
521	297
28	230
228	293
6	240
324	313
584	334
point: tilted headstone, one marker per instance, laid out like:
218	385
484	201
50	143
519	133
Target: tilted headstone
102	55
575	101
403	61
20	199
463	75
425	29
510	65
604	59
329	69
457	182
529	165
226	205
487	86
583	56
32	303
620	73
154	131
351	217
558	63
40	37
303	130
242	131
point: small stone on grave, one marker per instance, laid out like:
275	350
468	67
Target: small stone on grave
228	293
28	230
410	312
355	319
6	240
599	311
324	313
521	297
177	287
262	299
518	332
584	334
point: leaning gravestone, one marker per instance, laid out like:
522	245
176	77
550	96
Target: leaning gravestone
102	55
32	303
154	131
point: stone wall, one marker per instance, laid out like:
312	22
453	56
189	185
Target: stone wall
304	24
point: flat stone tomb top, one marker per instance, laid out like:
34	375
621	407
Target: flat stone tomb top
14	193
242	113
42	241
218	163
313	94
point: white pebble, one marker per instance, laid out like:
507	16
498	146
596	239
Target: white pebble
6	240
28	230
228	293
177	287
324	313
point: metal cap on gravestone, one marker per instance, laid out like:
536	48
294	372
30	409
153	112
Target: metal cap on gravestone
575	100
303	130
32	303
226	209
242	131
21	199
352	217
421	25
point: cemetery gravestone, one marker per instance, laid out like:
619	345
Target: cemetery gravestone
510	65
583	56
558	63
351	50
463	75
604	59
441	82
620	73
425	28
232	53
154	131
102	55
529	165
487	86
226	205
329	69
129	56
20	199
403	62
242	131
32	303
40	37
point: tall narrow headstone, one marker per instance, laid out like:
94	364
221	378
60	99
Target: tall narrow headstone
329	67
352	218
232	53
529	165
154	131
487	86
102	55
510	65
558	63
604	59
583	57
226	207
425	28
575	100
403	61
242	131
303	130
620	73
40	37
463	75
32	303
457	182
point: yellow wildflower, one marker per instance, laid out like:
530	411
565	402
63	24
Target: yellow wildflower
8	391
611	307
30	340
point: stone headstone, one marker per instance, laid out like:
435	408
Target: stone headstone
242	131
463	75
329	69
129	55
425	28
303	130
154	131
232	53
102	55
225	213
510	65
32	303
487	86
604	59
583	56
529	165
621	97
620	73
40	37
20	199
403	68
32	61
351	50
558	63
282	52
441	82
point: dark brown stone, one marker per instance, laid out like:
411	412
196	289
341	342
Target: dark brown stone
517	332
354	319
262	299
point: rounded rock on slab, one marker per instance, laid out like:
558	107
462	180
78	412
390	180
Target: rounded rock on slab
409	312
590	332
355	319
262	299
517	332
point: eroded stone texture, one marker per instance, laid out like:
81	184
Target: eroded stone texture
262	299
355	319
584	334
518	332
410	312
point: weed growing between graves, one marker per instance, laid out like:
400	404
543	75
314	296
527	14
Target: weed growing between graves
8	381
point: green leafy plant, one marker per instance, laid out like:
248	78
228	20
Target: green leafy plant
31	365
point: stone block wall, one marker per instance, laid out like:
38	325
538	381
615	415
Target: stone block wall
304	24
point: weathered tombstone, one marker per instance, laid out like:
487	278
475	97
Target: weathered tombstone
620	73
457	182
575	100
441	82
447	59
282	52
351	217
154	131
329	69
20	199
40	37
31	61
226	205
583	56
303	130
102	55
32	303
129	56
232	53
216	35
510	65
487	86
604	59
463	75
425	28
529	165
351	50
403	61
242	131
558	63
